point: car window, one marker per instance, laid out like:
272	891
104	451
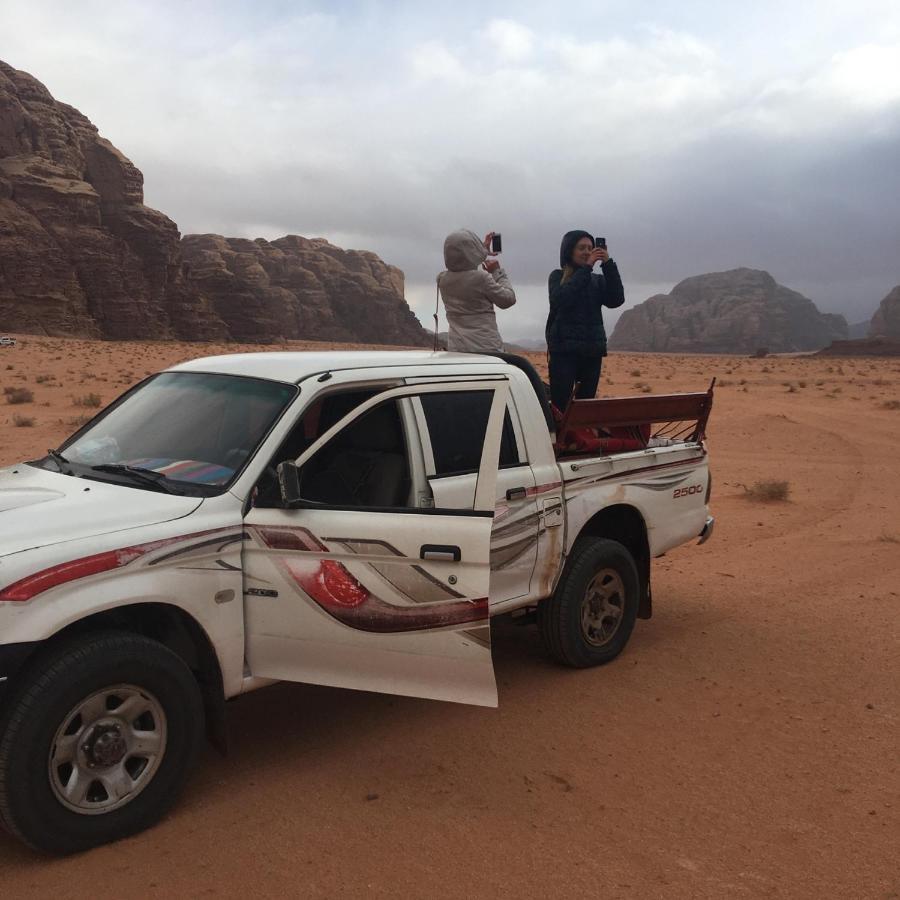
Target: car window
457	423
315	421
192	428
365	465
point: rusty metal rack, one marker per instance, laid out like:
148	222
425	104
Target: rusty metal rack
678	417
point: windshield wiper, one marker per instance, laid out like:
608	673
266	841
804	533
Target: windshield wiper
142	476
64	466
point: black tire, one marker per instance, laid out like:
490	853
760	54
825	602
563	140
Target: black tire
52	687
561	618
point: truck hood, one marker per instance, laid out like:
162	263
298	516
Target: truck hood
39	508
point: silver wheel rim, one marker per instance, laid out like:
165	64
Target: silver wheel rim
107	749
603	607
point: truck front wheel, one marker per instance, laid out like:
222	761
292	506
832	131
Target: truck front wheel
97	741
590	617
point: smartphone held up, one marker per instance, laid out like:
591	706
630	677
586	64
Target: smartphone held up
599	243
496	243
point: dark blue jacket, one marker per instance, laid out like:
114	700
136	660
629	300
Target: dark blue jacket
575	321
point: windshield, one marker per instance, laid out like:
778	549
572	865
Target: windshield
195	431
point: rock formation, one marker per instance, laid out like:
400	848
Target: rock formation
727	312
81	255
872	346
886	321
296	287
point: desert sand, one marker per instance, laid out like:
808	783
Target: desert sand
744	745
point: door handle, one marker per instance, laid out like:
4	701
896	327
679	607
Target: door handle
517	493
440	552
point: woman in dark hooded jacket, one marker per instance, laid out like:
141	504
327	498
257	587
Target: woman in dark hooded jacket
576	339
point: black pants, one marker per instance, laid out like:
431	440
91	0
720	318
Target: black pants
567	370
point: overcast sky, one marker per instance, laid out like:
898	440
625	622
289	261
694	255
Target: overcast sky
696	136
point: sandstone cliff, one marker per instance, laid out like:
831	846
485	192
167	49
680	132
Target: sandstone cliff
886	321
81	255
727	312
296	287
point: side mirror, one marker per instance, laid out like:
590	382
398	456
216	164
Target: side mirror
289	484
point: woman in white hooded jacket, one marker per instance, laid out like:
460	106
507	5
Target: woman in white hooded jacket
470	288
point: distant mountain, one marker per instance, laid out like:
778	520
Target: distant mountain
858	329
870	346
737	311
530	343
886	321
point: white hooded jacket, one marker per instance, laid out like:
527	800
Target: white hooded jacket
470	294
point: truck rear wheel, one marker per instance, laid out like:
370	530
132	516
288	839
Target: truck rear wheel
97	741
589	619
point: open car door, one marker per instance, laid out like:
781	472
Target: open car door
367	584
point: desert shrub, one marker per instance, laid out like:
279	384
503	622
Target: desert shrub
646	389
791	389
18	395
635	373
891	404
78	421
91	400
43	379
768	491
889	538
801	384
23	421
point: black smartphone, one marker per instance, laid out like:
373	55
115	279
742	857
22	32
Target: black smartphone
496	244
599	243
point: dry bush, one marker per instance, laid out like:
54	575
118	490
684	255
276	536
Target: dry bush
78	421
891	404
768	491
43	379
18	395
635	373
888	538
91	400
23	421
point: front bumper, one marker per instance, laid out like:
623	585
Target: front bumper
12	658
706	534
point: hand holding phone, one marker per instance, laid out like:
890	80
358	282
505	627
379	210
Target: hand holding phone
599	243
496	242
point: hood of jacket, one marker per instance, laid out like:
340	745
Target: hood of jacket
570	239
463	250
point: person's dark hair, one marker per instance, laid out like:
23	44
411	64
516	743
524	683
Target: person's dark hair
567	245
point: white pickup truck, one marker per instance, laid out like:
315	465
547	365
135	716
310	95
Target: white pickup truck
348	519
